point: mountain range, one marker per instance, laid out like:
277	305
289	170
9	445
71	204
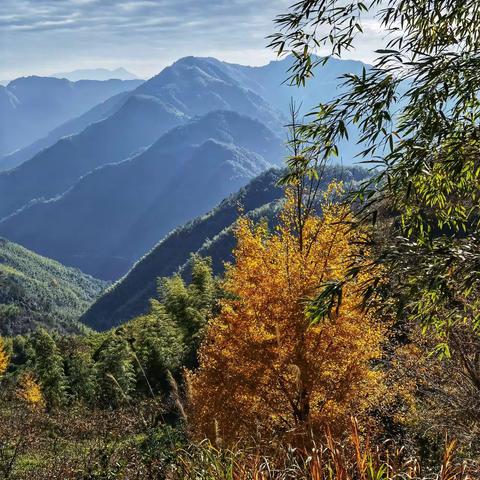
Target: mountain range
267	81
100	190
30	107
116	213
178	93
71	127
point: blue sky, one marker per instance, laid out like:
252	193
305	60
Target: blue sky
46	36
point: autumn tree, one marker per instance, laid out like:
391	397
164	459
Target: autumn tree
415	114
4	357
264	368
29	390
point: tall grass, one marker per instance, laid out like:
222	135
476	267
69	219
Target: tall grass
329	459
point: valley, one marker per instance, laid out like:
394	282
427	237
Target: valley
90	212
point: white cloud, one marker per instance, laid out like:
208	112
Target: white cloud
44	36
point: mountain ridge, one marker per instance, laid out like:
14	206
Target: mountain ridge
177	91
267	80
30	107
209	235
180	176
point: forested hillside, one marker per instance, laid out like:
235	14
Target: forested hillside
210	236
106	222
36	291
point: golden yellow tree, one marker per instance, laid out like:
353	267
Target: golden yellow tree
30	391
264	369
4	357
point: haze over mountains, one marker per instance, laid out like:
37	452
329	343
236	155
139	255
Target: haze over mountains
71	127
30	107
115	214
96	74
100	190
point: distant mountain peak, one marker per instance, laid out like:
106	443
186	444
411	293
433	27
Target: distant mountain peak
192	60
97	74
35	80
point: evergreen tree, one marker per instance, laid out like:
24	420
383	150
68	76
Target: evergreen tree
191	306
49	368
159	346
80	369
115	371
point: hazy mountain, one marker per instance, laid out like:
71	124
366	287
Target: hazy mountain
102	197
191	86
71	127
199	85
139	122
130	296
96	74
39	291
210	235
206	76
115	214
30	107
270	81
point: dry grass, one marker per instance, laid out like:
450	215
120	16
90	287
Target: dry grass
355	459
134	444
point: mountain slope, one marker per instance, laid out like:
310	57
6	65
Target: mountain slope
198	85
266	80
115	214
38	291
71	127
140	121
270	81
209	235
30	107
188	88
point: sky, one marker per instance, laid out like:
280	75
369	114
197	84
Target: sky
41	37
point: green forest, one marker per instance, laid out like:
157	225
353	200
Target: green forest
36	291
321	323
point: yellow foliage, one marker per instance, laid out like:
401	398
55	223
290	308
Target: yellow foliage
4	357
264	370
30	391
